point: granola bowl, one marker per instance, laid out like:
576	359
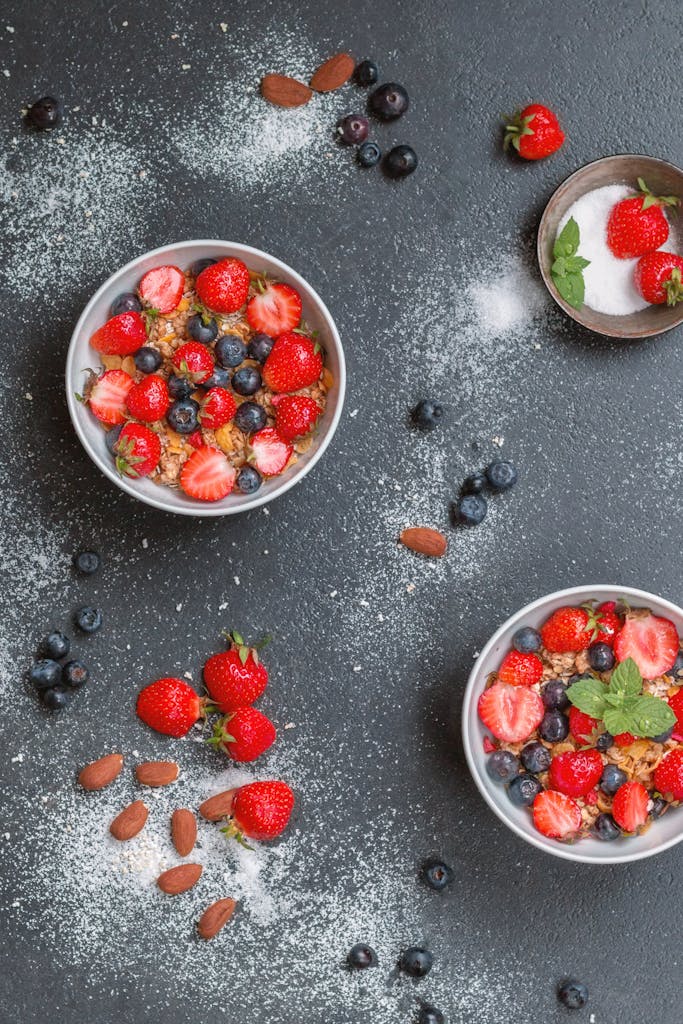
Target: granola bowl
318	324
655	837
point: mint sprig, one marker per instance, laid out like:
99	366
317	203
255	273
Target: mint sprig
621	704
568	267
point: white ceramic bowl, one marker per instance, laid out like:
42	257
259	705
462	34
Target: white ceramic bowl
81	356
662	834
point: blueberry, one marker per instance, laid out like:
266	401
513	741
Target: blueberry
353	129
55	645
471	509
127	302
75	674
430	1015
369	154
436	874
604	741
554	727
45	113
230	351
199	265
501	475
246	381
400	161
248	480
88	562
524	789
573	994
147	359
220	378
183	416
502	765
366	73
427	414
612	779
606	828
416	961
535	757
677	666
259	347
45	673
89	620
202	328
474	483
56	698
663	736
659	805
250	417
554	695
527	640
361	956
112	436
601	657
179	387
388	101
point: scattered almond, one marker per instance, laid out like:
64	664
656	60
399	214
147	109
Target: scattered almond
101	773
284	91
333	73
218	806
179	879
157	773
425	541
183	831
215	917
130	821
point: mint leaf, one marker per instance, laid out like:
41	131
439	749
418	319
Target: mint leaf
618	720
567	242
651	716
588	695
571	288
626	679
577	263
559	267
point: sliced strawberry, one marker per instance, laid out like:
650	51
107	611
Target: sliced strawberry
162	288
575	772
269	453
583	728
520	669
207	475
556	815
651	641
121	335
107	398
274	309
511	713
669	775
629	807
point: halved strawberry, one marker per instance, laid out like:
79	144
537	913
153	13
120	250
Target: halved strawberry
575	772
556	815
511	713
269	453
629	807
651	641
275	308
121	335
207	475
162	288
107	398
583	728
520	669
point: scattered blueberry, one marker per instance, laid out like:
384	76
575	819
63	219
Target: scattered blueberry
535	757
88	619
127	302
471	509
436	874
250	417
183	416
88	562
474	483
248	480
45	673
230	351
361	956
501	475
200	265
400	161
427	414
259	347
246	381
45	113
147	359
56	698
677	665
112	436
573	994
612	779
601	657
659	805
555	727
430	1015
55	645
663	736
604	741
606	828
75	674
220	378
527	640
202	328
554	695
388	101
179	387
366	73
416	961
369	154
524	789
502	765
353	129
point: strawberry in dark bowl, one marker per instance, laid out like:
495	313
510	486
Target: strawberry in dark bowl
223	353
573	724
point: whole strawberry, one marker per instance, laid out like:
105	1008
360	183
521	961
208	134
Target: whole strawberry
244	735
629	806
235	678
295	362
138	450
149	400
260	810
224	286
295	415
669	775
567	629
575	772
217	409
658	278
194	362
520	669
169	706
637	225
121	335
534	132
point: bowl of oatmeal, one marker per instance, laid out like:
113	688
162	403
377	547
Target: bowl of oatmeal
572	724
205	378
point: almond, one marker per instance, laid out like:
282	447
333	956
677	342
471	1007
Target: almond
157	773
333	73
284	91
130	821
218	806
183	831
101	773
179	879
215	917
425	541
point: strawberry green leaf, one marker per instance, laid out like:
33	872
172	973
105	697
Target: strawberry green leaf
588	695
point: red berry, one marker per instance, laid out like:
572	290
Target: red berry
676	705
511	713
669	775
556	815
294	362
629	806
194	362
637	225
575	772
534	132
218	408
274	309
245	734
196	439
207	475
107	396
583	728
224	286
651	641
520	669
261	810
162	288
624	739
235	678
149	399
658	278
138	450
169	706
489	747
295	415
121	335
269	453
567	630
607	623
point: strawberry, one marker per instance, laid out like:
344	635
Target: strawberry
138	450
207	475
489	746
583	728
274	309
658	278
294	362
575	772
107	396
194	362
244	735
169	706
511	713
196	439
534	132
269	453
121	335
556	815
162	288
567	629
676	705
295	415
235	678
607	623
260	810
624	739
669	775
637	225
217	409
651	641
520	669
629	806
224	286
149	399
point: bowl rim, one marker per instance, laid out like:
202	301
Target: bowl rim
213	511
547	279
572	853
